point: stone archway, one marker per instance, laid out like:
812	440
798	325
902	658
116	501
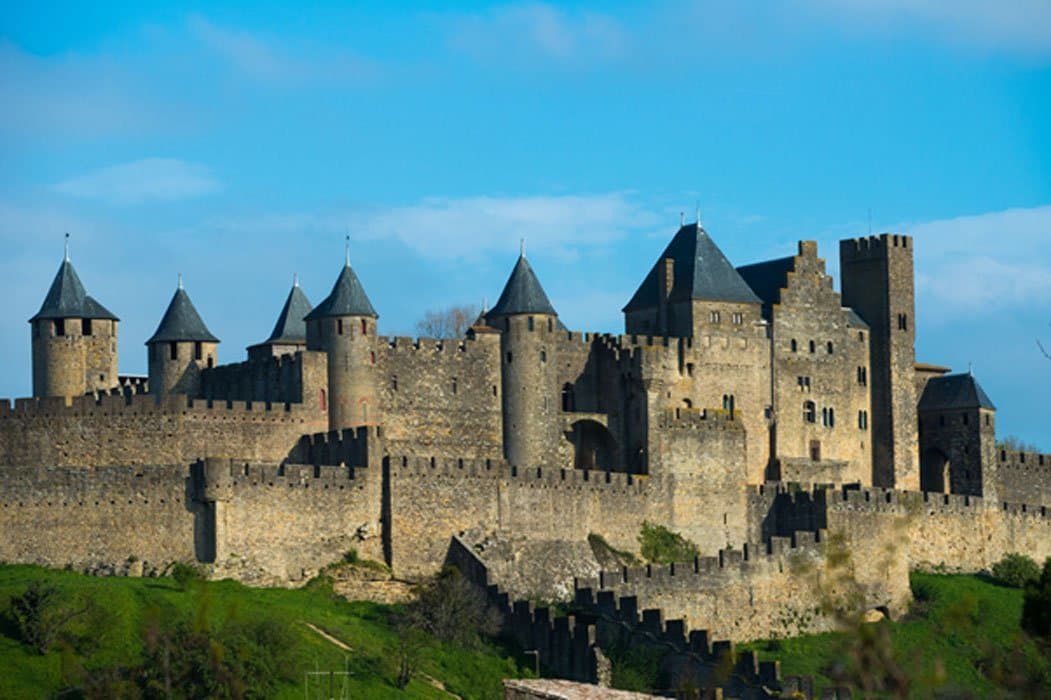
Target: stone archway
593	445
934	471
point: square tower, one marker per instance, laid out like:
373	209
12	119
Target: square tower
877	282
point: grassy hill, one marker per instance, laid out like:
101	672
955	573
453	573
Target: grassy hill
111	635
962	639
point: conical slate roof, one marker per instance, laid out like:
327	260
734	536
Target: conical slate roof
522	294
181	322
954	391
67	299
347	298
701	272
290	328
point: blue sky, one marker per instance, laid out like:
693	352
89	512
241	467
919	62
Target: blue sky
237	143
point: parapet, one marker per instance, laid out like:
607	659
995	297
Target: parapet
698	419
219	479
532	477
1023	460
137	404
873	247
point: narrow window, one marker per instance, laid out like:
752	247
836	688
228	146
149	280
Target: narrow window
824	417
543	355
795	345
863	419
863	376
903	322
689	369
832	418
211	361
339	327
60	326
364	327
861	336
197	350
829	346
509	358
550	325
494	389
737	319
372	357
173	351
813	347
815	450
728	404
321	400
86	325
394	382
714	316
987	419
530	323
455	386
809	412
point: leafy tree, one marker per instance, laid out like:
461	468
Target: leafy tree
659	545
1016	570
451	322
1036	608
42	615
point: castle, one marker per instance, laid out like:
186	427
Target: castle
756	410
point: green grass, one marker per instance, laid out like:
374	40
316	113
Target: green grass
962	638
365	627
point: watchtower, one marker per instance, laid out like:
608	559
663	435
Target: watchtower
528	366
74	340
957	437
877	280
344	326
180	349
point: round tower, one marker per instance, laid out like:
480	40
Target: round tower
74	340
528	362
344	327
181	347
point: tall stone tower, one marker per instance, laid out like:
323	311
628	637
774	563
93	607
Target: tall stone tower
528	324
74	340
878	283
344	327
180	348
957	437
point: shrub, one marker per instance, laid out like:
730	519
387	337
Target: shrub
660	545
1036	607
452	609
185	574
1016	570
41	615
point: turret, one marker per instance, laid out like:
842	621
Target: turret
290	330
877	281
74	340
957	437
181	347
529	368
344	327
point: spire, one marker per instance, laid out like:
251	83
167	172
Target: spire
290	328
522	294
347	298
181	322
66	298
702	272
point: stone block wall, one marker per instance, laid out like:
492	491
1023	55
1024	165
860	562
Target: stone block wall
295	378
1024	477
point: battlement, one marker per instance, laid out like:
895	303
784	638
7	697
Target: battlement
408	344
1023	460
219	479
133	404
348	447
698	419
873	247
538	477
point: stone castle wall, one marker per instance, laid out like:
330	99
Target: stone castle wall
1024	477
139	429
299	377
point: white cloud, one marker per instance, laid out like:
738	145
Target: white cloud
526	31
977	265
142	180
558	226
1015	26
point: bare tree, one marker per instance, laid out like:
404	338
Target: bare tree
451	322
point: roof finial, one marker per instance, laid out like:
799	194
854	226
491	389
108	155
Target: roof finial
970	368
180	280
682	219
521	247
698	215
295	279
67	247
348	250
485	305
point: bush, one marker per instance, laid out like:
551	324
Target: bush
185	574
660	545
41	615
452	609
1016	570
1036	606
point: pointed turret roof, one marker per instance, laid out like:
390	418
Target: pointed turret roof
702	272
347	298
181	322
953	391
522	294
290	328
67	299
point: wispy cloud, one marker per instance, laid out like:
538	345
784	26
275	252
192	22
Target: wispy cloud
142	180
527	31
982	264
472	227
1013	26
279	61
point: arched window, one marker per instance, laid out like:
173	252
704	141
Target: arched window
543	355
809	412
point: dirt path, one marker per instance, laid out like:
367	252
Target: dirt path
345	647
